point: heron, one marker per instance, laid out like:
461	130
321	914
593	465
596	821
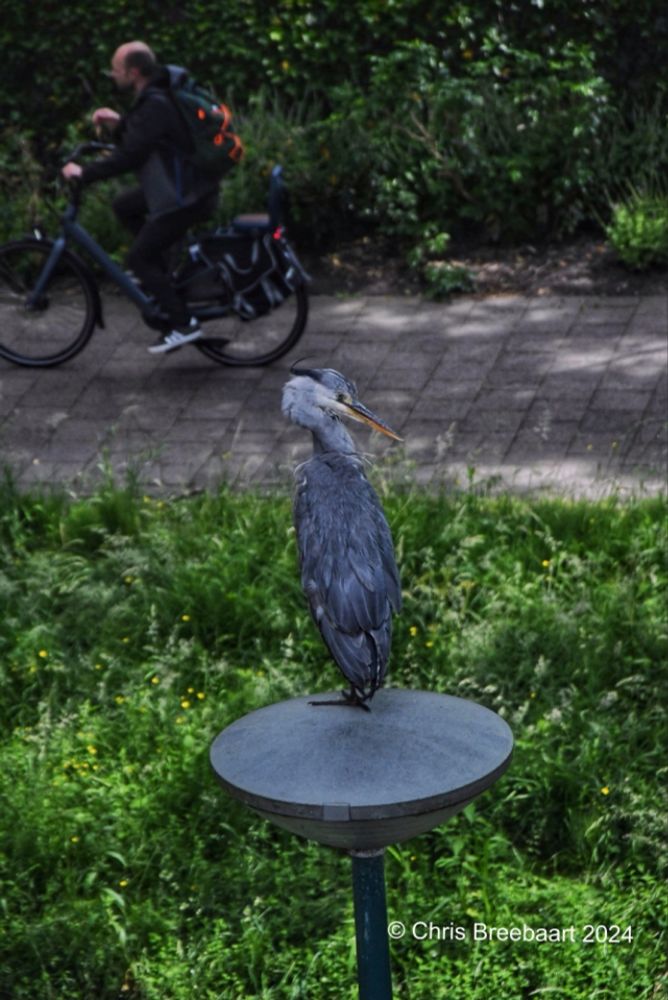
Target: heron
348	568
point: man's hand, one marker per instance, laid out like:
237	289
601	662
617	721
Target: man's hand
71	171
105	118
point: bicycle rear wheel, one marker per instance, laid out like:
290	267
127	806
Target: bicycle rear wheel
250	343
60	324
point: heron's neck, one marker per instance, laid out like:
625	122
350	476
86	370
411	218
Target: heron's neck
331	435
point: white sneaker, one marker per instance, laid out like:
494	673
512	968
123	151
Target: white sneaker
177	338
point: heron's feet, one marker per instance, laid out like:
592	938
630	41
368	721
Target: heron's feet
348	699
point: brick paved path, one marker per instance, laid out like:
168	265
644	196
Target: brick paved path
563	395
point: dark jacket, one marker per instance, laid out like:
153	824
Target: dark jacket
153	140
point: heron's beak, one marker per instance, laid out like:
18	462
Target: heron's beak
359	412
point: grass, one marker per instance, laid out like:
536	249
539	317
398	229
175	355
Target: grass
133	630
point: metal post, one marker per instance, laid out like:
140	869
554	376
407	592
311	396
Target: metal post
373	950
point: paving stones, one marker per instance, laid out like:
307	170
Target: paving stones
564	395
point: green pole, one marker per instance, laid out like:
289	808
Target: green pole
373	949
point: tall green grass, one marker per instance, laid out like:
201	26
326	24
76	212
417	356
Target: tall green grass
132	630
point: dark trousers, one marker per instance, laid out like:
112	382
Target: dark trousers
148	256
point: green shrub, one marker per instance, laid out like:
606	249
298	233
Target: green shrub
631	152
292	46
639	228
449	117
428	259
505	149
20	185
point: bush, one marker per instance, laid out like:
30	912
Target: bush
505	149
464	119
639	228
291	46
20	185
429	261
631	151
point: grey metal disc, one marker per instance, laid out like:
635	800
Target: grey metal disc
362	780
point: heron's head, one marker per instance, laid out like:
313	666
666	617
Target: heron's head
314	394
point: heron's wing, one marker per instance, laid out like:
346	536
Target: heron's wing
349	573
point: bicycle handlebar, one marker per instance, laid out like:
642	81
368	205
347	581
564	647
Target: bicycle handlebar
85	148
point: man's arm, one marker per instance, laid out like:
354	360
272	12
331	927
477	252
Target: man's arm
142	131
103	119
106	118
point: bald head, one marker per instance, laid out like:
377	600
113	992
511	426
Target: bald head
132	64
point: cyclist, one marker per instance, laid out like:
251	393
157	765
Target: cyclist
153	140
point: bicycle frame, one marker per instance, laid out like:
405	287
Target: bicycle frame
71	230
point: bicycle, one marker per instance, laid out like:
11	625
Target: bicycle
243	280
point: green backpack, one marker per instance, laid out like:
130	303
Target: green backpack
217	147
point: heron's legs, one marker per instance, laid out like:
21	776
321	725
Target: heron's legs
347	699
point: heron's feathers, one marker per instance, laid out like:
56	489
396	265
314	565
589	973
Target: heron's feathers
361	657
348	569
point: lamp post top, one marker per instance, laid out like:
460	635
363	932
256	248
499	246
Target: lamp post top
363	780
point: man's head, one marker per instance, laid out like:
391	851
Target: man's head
132	65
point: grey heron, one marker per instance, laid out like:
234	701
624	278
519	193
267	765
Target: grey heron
348	569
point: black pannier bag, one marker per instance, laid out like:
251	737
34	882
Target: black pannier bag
254	274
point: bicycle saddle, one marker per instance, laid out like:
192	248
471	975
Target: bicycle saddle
266	222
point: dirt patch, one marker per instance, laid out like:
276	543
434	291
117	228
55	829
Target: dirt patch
581	266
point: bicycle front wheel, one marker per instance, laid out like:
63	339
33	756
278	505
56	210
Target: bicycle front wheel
56	327
250	343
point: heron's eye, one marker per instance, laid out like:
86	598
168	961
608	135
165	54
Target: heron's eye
343	397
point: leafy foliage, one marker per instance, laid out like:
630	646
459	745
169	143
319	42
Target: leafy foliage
294	45
441	278
504	120
638	229
132	630
20	184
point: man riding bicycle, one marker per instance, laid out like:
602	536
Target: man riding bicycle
153	140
